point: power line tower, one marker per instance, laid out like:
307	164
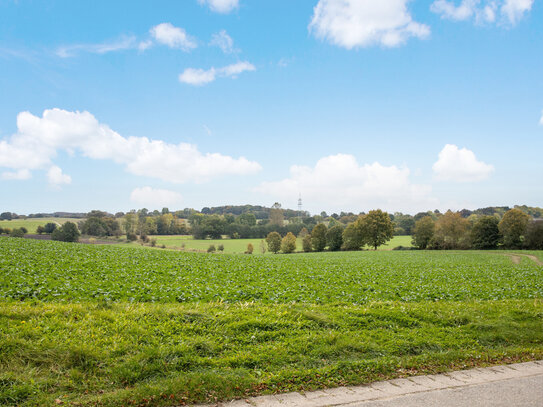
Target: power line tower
300	207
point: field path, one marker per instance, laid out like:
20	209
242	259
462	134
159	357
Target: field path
515	258
519	384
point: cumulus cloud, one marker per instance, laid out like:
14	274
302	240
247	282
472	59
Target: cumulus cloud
199	77
56	177
460	165
220	6
339	182
223	41
362	23
123	43
16	175
173	37
39	139
155	198
482	11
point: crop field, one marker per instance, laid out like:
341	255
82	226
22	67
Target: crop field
233	246
87	325
33	223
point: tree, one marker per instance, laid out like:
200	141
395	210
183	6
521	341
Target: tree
17	232
274	242
306	244
49	227
376	228
352	237
485	233
451	232
513	227
66	233
423	232
276	214
334	238
288	244
211	249
40	229
303	233
94	226
318	237
534	235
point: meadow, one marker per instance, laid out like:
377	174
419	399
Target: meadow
32	223
236	246
89	325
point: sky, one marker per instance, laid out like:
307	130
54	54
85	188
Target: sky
351	104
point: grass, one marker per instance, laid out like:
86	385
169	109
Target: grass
233	246
32	223
106	326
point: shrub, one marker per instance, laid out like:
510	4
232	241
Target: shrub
220	247
25	230
250	249
211	249
288	244
39	230
144	238
49	227
274	242
262	247
17	232
153	242
131	237
66	233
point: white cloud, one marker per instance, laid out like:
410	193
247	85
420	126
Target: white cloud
362	23
123	43
56	177
483	11
39	139
173	37
155	198
16	175
541	120
220	6
199	77
338	182
460	165
514	9
223	41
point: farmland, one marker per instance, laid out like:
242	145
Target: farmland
32	223
100	325
234	246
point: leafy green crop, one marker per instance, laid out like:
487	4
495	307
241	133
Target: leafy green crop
54	271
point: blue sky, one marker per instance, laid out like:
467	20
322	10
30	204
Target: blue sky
354	104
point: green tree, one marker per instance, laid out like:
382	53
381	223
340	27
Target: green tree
376	228
66	233
318	237
334	238
306	244
352	237
485	233
40	229
274	242
17	232
288	244
513	227
49	227
423	232
534	236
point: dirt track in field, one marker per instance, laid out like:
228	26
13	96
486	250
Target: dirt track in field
516	258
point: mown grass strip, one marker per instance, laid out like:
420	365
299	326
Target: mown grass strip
114	354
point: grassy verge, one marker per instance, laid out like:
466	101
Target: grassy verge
104	354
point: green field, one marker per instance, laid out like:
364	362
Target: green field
234	246
108	326
33	223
